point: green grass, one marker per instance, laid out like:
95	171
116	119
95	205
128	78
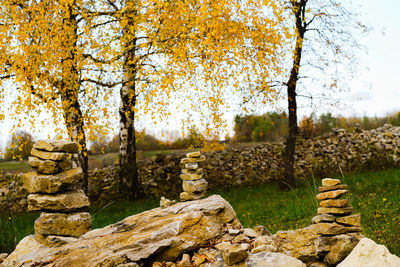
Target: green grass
373	194
15	166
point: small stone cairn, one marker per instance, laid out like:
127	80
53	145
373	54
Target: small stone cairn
194	186
53	190
334	214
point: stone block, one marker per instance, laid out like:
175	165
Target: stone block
331	194
55	156
60	224
335	211
185	196
43	166
353	220
193	160
191	176
56	146
54	241
330	182
65	202
195	154
195	186
323	218
42	183
333	187
335	229
334	203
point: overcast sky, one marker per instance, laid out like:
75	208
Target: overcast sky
374	91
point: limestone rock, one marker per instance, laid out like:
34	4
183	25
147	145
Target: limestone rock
73	224
43	166
335	203
195	186
340	249
3	256
335	229
191	176
262	230
333	187
336	211
56	146
154	235
271	259
165	202
68	201
193	160
331	194
198	171
65	164
323	218
195	154
39	183
192	166
233	253
186	261
369	254
250	232
57	156
185	196
330	182
353	220
317	264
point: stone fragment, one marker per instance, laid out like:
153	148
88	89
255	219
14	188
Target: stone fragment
165	202
369	254
57	156
185	196
340	249
56	146
193	160
54	240
43	166
192	166
271	259
41	183
330	182
233	253
72	224
250	232
262	230
268	248
241	238
335	211
335	229
331	194
191	176
195	186
195	154
353	220
333	187
3	256
233	231
185	261
334	203
68	201
323	218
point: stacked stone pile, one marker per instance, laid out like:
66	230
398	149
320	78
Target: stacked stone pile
335	223
194	185
52	189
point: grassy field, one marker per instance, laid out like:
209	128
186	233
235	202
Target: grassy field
373	194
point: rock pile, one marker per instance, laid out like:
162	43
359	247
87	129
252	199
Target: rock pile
194	186
334	220
52	188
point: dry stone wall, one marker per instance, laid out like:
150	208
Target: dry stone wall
340	151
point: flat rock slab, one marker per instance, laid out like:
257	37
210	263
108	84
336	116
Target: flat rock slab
332	187
56	146
64	202
334	203
72	224
335	211
56	156
271	259
330	182
193	160
186	196
154	235
42	183
353	220
335	229
49	166
195	186
331	194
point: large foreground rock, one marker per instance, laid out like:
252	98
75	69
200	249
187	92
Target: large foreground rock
154	235
369	254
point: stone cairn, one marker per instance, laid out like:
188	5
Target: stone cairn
53	190
334	214
194	186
